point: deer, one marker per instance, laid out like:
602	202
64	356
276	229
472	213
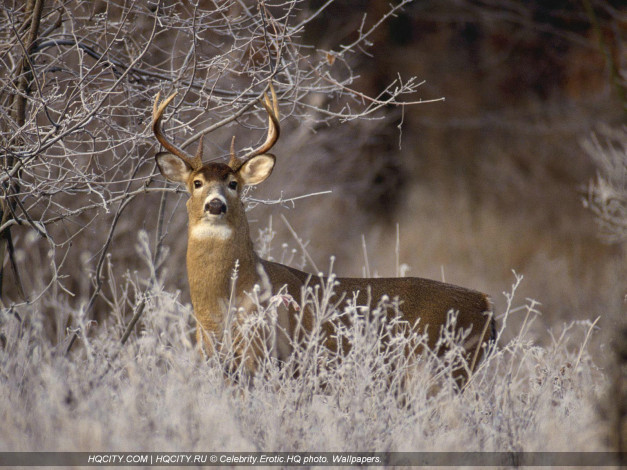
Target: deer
219	242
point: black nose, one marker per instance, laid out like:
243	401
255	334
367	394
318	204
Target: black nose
215	207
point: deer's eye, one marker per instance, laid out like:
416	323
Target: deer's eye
233	184
197	184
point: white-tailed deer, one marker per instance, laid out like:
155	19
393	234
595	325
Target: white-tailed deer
219	240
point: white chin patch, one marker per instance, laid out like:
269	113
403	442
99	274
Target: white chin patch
209	230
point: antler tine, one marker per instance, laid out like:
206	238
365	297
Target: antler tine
274	128
233	160
157	113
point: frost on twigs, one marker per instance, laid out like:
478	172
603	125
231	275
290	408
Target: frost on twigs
159	390
75	133
607	195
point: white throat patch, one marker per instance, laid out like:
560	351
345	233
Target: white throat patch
205	230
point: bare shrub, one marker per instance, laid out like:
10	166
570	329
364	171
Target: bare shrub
77	83
607	196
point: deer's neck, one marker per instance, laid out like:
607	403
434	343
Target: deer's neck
212	263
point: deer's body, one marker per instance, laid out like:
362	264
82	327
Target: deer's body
424	303
219	244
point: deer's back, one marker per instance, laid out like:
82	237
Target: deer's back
424	303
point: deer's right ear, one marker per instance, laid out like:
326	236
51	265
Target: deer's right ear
172	167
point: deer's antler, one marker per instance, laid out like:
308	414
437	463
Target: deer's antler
194	162
274	130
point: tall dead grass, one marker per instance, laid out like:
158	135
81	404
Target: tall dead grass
155	392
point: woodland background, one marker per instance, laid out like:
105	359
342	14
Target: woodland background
515	160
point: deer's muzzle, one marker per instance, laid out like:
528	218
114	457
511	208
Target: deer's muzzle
215	207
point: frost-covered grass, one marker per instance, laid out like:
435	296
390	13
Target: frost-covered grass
155	392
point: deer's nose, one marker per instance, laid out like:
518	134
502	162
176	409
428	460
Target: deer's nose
215	207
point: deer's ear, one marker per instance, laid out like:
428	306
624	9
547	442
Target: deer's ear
257	169
172	167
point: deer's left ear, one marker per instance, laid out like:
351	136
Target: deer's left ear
257	169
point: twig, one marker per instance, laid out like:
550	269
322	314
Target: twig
300	243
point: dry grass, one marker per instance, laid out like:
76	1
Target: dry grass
156	393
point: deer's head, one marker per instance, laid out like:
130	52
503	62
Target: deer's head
215	208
